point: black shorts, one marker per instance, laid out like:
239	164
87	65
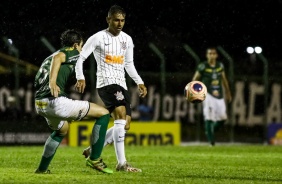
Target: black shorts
114	96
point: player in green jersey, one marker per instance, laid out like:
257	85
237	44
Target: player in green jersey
52	102
211	73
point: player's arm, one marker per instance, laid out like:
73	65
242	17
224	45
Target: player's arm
80	83
226	87
132	72
87	49
58	59
197	76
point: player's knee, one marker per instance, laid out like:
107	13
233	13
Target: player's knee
62	133
64	130
104	112
120	112
97	111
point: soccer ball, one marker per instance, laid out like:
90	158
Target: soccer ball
195	92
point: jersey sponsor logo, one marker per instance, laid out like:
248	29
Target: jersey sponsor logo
119	95
215	82
219	69
69	49
123	45
215	93
208	70
41	104
114	59
107	44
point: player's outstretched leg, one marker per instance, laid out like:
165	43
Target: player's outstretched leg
51	145
98	138
209	131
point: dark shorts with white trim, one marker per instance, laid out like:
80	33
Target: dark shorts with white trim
114	96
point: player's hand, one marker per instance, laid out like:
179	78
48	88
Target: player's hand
142	90
80	86
228	97
127	126
55	90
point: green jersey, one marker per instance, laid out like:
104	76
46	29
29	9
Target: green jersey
212	78
65	73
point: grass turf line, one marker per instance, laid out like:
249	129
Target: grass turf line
160	164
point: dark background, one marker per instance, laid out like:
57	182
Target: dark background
234	25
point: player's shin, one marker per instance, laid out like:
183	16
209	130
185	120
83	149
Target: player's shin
50	148
119	135
98	136
108	140
209	131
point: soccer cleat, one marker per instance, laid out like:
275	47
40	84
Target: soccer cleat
99	165
86	152
212	144
127	167
37	171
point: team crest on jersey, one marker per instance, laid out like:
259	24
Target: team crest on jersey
123	45
119	95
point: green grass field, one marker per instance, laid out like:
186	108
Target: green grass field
167	164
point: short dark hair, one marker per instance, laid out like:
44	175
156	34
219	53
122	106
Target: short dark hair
70	37
212	48
116	9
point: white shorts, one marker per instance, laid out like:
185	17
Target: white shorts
58	110
214	108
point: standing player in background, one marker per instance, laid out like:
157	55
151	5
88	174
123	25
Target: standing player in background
51	102
211	73
113	52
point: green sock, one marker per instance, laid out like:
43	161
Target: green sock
218	124
209	130
50	148
98	136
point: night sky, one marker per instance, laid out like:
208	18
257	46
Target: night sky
234	25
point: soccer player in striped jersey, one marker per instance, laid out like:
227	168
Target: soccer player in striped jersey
52	102
212	74
113	52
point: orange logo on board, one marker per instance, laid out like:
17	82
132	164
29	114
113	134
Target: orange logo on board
114	59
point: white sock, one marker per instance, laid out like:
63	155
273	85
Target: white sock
109	136
118	136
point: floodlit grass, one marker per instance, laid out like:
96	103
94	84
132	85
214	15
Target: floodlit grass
167	164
